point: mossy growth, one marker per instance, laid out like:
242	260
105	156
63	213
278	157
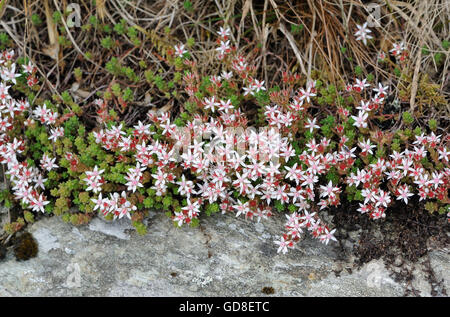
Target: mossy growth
25	247
268	290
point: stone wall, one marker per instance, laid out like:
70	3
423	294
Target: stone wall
224	257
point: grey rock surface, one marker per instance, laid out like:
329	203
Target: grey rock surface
224	257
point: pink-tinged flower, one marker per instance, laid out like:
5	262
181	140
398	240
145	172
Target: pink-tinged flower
94	180
28	68
436	179
39	182
383	198
56	133
142	129
51	117
444	154
137	170
365	106
363	208
179	50
312	145
8	55
308	218
397	49
224	32
381	91
93	185
378	213
192	209
179	218
9	107
210	103
125	144
241	182
381	55
283	244
10	74
309	180
47	163
393	175
360	85
38	203
4	95
94	174
422	181
4	124
419	153
225	106
421	140
224	47
294	225
360	120
433	139
100	203
160	177
306	94
311	125
226	75
369	195
403	193
327	236
185	187
258	85
45	116
133	181
119	206
241	208
329	190
273	169
363	33
366	146
294	173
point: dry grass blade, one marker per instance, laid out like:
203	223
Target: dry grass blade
245	10
314	38
52	49
101	9
415	82
396	5
291	40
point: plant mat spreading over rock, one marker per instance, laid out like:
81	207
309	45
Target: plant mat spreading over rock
403	241
134	70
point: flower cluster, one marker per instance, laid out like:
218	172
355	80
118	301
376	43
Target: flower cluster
27	181
94	180
44	115
116	204
210	159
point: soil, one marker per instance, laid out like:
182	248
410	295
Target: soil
2	251
403	239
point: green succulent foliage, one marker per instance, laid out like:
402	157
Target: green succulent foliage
279	206
212	208
107	42
432	124
407	117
